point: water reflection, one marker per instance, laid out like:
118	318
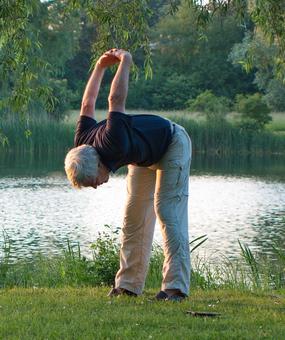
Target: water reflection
229	209
270	230
271	167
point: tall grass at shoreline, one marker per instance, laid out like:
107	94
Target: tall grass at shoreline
71	268
37	137
224	138
43	136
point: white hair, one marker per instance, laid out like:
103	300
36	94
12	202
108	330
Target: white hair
81	165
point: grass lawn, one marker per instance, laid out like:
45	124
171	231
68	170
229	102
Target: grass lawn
86	313
278	122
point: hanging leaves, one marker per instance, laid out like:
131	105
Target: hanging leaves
119	23
123	24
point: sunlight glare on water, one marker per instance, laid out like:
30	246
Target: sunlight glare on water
41	213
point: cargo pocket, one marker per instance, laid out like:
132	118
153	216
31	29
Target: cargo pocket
169	179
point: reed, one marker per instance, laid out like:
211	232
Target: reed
226	139
42	137
36	137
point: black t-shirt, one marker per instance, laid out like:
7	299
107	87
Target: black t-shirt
123	139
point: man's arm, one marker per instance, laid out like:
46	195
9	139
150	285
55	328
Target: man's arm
93	86
119	87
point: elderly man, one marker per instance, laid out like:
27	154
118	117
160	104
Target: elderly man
158	155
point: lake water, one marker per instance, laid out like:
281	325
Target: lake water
230	200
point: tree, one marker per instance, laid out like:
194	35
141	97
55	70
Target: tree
119	23
267	16
32	64
202	55
254	52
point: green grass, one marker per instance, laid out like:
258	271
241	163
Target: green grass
278	123
86	313
65	297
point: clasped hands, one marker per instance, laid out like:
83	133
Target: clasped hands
113	57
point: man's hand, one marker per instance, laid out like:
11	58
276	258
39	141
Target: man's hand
120	54
108	59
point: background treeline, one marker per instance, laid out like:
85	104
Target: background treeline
187	61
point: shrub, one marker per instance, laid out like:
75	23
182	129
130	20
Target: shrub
106	256
254	111
275	95
214	107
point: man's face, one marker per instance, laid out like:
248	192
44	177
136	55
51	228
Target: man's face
102	177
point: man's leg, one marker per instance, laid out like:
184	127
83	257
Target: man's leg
137	229
171	206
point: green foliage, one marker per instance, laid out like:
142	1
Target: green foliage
255	52
62	97
5	261
19	56
106	257
73	267
201	55
252	263
254	111
154	276
48	137
36	39
268	16
223	138
214	107
200	63
255	271
172	92
275	95
194	245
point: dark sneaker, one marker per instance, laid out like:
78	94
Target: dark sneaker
163	296
178	297
120	291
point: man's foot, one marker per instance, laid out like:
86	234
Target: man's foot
120	291
172	296
161	296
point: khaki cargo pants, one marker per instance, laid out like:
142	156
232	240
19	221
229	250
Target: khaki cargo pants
159	191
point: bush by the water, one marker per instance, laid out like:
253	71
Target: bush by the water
214	107
254	111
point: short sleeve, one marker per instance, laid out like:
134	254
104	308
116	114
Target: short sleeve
83	127
118	131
